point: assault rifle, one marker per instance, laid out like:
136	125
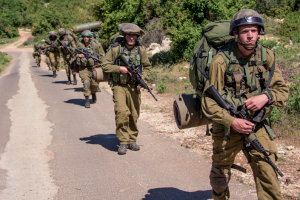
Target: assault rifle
65	47
135	74
250	138
87	55
51	43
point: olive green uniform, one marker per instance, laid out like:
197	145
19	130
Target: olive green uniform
86	67
224	150
68	41
126	97
37	56
54	54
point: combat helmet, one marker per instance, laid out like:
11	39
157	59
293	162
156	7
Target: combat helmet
129	28
42	47
87	33
52	33
62	31
246	17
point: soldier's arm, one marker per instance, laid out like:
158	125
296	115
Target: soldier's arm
109	60
100	52
73	44
47	46
278	88
146	63
210	108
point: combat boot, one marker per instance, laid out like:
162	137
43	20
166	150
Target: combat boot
69	80
74	80
98	89
54	74
94	97
87	102
134	147
122	149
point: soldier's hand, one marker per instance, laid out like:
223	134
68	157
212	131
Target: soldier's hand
124	70
242	126
138	87
257	102
62	47
81	56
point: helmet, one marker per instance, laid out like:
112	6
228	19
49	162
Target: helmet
86	33
52	33
42	46
245	17
61	31
129	28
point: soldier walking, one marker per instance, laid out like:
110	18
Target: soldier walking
54	53
126	92
69	41
240	72
37	54
86	65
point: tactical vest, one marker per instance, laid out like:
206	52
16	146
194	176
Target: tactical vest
245	79
52	49
87	62
134	57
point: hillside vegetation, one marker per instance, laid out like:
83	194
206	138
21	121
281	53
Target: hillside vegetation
182	21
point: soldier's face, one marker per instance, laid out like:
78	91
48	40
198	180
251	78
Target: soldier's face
130	39
86	38
53	37
248	34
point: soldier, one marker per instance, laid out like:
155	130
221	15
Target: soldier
54	53
126	93
251	64
37	54
86	65
70	43
46	53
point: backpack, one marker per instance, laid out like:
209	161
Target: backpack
71	33
215	35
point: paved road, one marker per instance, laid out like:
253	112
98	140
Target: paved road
52	147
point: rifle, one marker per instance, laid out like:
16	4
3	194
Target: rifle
65	47
51	43
251	138
136	74
87	55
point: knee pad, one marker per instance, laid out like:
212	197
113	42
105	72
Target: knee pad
219	178
52	63
86	85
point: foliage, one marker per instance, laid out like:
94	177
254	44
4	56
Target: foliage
4	60
293	102
268	43
291	26
161	88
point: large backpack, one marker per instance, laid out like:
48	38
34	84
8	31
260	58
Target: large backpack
71	33
215	35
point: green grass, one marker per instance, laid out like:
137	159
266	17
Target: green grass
36	39
4	41
4	60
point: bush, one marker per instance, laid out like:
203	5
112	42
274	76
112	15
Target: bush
161	88
268	43
291	26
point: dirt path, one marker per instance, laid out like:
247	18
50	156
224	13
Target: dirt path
24	35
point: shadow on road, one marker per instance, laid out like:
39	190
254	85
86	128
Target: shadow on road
60	82
47	75
34	66
108	141
79	102
175	194
80	89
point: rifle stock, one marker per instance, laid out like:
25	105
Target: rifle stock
250	138
135	73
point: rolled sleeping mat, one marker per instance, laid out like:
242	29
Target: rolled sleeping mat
99	75
187	111
87	26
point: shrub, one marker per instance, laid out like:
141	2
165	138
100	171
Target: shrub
161	88
268	43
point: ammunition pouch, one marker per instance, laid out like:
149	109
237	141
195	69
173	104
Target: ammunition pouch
187	111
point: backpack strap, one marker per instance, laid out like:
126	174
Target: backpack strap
94	49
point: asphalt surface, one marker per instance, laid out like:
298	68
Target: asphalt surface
83	160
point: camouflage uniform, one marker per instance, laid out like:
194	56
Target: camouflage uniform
37	55
126	97
86	66
70	43
225	149
54	53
